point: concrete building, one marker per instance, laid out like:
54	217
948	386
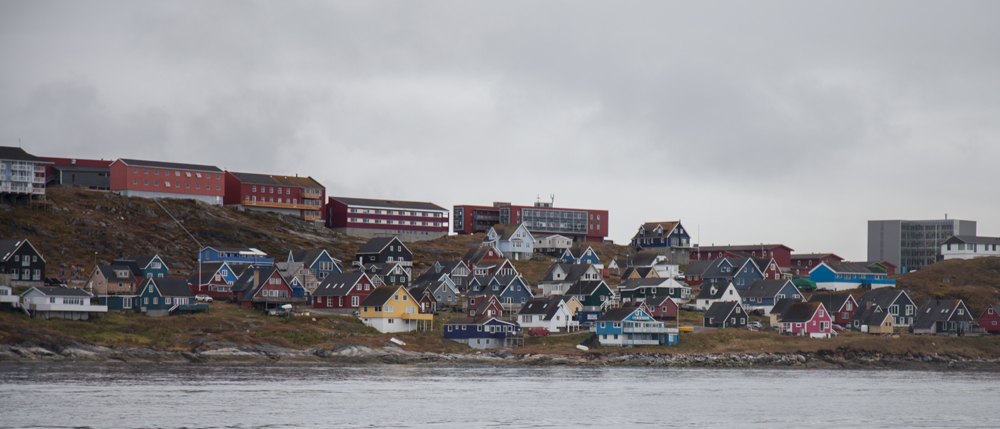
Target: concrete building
78	173
913	244
966	247
155	179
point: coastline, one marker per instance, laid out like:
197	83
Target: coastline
354	354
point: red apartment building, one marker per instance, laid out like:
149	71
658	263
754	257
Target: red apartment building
803	262
541	220
369	218
782	254
154	179
292	195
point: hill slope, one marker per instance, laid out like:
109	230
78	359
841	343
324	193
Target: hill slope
977	281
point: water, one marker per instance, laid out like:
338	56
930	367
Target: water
109	395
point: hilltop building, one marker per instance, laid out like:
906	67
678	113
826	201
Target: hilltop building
913	244
22	175
155	179
78	173
290	195
369	218
541	220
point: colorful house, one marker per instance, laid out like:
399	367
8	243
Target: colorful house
489	306
234	256
580	255
594	295
215	279
554	245
841	305
639	273
943	316
738	271
560	277
476	255
112	280
423	295
512	240
837	276
265	289
872	320
712	293
483	332
803	262
895	302
319	261
990	319
695	272
669	238
633	326
60	303
393	309
662	307
384	250
807	319
725	314
342	292
761	295
165	296
549	313
387	274
637	290
780	308
457	272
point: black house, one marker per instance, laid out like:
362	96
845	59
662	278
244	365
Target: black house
726	315
21	264
384	250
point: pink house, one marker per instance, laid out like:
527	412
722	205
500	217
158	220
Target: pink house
806	318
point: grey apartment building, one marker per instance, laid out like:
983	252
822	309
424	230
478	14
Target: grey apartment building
912	244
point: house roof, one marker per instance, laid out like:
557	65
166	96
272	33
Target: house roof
170	165
391	204
81	168
382	269
714	291
617	314
419	292
800	312
143	260
544	306
746	247
380	295
656	301
476	254
171	286
721	309
880	297
697	268
61	291
573	272
586	288
132	266
851	268
485	303
110	272
642	271
9	246
578	251
376	245
11	153
833	302
632	284
337	284
504	231
645	258
870	316
308	256
935	310
667	226
813	256
245	282
482	320
764	288
781	305
715	269
277	180
972	239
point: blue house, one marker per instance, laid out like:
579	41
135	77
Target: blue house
848	275
579	255
215	279
483	332
633	326
761	295
511	289
161	297
738	271
234	255
317	260
151	266
661	235
297	288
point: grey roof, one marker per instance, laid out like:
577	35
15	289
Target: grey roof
721	310
573	272
172	286
870	316
714	291
880	297
245	282
379	296
208	269
617	314
277	180
632	284
62	291
143	260
130	264
578	251
170	165
936	310
800	312
656	301
392	204
972	239
337	284
715	269
485	303
504	230
644	258
308	256
81	168
482	320
429	276
781	306
418	293
643	271
740	247
11	153
851	268
833	302
697	268
811	255
764	288
110	272
9	246
476	254
544	306
376	245
585	288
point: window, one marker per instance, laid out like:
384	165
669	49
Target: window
135	170
135	181
155	300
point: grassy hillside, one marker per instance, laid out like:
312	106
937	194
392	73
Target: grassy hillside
977	281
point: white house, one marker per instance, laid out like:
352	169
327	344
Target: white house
970	246
712	293
7	297
560	277
60	302
549	313
513	240
553	244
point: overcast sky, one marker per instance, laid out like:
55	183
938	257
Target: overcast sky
780	122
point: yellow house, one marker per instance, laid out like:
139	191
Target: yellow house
393	309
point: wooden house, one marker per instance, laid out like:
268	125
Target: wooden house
807	319
633	326
342	292
423	295
265	289
761	295
582	255
234	256
476	255
895	302
393	309
21	264
112	280
837	276
841	305
662	307
483	332
512	240
215	279
725	314
165	296
60	303
559	277
712	293
319	261
549	313
488	306
943	316
636	290
779	308
803	262
990	319
384	250
594	295
740	272
695	272
872	320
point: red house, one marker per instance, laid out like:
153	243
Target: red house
806	318
264	288
342	291
486	306
297	196
477	254
803	262
155	179
661	307
990	319
841	305
769	268
782	254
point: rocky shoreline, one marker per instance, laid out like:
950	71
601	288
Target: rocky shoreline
354	354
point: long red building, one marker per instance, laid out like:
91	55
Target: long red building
292	195
155	179
540	219
782	254
370	218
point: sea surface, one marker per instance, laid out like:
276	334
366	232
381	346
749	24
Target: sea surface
116	395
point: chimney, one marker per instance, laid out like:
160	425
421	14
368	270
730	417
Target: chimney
256	277
868	305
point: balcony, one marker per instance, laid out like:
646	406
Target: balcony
22	167
67	307
278	205
39	180
312	193
38	191
280	299
39	169
312	217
